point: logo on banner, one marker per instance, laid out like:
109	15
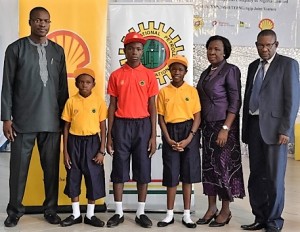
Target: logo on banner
215	23
198	22
266	24
242	24
161	45
76	50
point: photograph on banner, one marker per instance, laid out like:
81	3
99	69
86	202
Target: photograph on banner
238	20
167	35
84	47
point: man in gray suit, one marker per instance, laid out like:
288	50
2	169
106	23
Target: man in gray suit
268	127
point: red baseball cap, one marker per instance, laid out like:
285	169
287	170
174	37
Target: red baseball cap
132	37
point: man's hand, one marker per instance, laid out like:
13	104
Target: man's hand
9	131
283	139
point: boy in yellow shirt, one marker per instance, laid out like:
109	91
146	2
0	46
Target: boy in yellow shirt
178	108
83	149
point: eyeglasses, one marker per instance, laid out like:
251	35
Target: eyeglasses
268	46
39	21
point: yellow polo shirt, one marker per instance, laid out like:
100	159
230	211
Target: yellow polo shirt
84	114
178	104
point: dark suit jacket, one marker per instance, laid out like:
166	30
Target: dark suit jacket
279	99
222	93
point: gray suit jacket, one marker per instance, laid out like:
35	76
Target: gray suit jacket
279	99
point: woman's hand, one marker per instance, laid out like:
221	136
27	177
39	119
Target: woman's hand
222	138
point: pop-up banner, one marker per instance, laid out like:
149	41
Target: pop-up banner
167	35
80	28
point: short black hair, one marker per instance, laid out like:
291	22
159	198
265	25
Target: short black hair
267	32
36	9
226	44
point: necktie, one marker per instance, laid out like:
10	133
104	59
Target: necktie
253	104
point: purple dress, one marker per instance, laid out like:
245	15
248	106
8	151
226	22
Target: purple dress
220	92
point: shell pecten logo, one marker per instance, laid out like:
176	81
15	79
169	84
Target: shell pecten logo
76	51
266	24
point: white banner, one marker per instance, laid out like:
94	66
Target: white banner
167	35
241	20
9	22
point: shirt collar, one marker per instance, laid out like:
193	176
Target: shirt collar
269	60
138	68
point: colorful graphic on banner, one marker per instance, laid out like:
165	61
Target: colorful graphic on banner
159	48
236	20
167	35
84	46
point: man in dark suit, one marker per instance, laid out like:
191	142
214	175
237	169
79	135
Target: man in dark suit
268	127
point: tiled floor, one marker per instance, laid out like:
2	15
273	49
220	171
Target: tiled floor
240	208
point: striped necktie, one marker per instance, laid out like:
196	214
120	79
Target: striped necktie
254	98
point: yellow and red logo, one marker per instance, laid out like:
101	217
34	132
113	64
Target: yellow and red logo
76	51
266	24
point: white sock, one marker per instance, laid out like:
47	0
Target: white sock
90	211
187	216
170	215
76	209
140	209
119	208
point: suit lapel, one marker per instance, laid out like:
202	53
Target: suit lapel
252	72
272	69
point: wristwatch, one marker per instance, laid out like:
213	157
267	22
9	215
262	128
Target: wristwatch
102	153
225	127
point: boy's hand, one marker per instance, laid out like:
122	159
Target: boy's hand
177	147
109	146
183	144
152	147
67	160
99	158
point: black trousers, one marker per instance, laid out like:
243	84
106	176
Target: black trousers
21	151
266	180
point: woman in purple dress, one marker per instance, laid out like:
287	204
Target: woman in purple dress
219	88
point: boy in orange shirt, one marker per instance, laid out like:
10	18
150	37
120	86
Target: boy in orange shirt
131	127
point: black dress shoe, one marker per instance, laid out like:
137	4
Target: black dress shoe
115	220
164	224
94	221
203	221
69	221
11	221
254	226
143	221
52	218
219	224
189	225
